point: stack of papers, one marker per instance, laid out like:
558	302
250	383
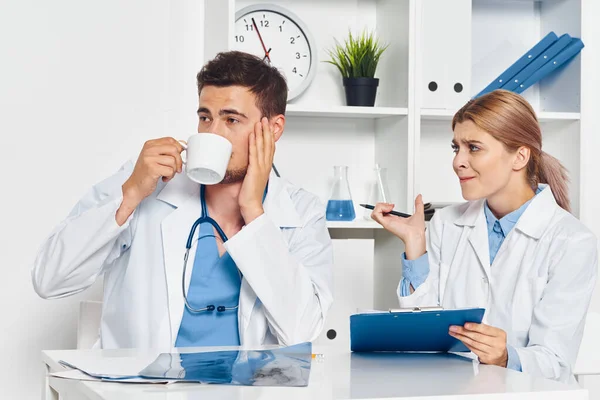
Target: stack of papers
93	366
285	366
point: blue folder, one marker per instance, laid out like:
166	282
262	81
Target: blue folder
521	63
541	60
562	59
410	330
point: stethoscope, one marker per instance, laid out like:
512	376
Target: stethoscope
204	219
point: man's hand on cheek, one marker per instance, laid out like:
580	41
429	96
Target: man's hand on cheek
261	149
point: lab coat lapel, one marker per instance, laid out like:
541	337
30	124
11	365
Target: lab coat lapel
537	216
247	302
474	218
183	194
280	208
479	240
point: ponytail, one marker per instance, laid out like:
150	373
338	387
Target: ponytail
552	172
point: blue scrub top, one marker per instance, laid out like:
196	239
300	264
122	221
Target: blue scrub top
215	280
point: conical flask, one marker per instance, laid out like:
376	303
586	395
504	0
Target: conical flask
340	206
378	189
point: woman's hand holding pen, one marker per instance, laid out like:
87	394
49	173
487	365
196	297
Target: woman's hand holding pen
410	230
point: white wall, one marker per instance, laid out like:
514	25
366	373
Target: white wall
82	85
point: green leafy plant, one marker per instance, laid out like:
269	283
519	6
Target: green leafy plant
358	56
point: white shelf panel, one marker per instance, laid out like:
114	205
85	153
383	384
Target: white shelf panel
295	110
358	223
446	115
558	116
436	115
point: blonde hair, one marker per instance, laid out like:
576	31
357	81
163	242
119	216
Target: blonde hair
510	119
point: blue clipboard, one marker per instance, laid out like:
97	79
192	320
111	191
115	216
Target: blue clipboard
417	329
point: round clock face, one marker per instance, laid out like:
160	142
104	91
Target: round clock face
281	39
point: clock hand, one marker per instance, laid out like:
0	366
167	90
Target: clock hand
266	55
261	41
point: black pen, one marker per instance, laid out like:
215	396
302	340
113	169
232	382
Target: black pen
396	213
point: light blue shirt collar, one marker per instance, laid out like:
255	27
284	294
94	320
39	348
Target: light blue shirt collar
508	222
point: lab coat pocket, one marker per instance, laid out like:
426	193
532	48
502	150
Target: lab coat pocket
527	295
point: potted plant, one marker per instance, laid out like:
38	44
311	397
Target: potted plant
357	61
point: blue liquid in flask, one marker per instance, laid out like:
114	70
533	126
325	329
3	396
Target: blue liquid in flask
340	210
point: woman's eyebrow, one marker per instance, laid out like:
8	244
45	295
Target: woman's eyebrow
469	141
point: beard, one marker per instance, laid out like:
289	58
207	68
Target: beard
234	176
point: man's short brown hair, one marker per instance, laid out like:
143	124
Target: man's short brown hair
236	68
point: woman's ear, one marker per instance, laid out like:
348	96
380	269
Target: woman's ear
521	158
277	125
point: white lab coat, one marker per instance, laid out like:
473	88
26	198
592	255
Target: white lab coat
285	257
538	288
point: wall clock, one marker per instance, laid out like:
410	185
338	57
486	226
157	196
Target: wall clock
280	38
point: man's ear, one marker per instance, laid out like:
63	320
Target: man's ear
521	158
277	125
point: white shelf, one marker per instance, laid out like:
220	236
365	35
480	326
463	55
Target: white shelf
558	116
295	110
446	115
358	223
437	115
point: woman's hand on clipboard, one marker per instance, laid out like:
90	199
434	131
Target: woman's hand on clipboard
410	230
487	342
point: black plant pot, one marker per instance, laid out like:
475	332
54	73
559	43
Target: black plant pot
361	91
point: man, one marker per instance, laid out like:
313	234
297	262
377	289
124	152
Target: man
133	227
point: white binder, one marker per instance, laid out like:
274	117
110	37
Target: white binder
445	49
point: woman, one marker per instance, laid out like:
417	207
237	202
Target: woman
513	248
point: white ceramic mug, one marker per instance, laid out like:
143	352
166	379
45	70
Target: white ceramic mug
207	158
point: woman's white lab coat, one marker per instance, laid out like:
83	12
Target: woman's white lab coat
285	257
538	288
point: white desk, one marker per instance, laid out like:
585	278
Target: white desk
337	376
